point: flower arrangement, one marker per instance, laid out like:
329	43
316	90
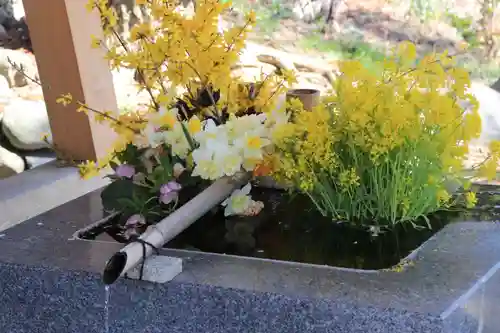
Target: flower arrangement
378	151
202	123
382	148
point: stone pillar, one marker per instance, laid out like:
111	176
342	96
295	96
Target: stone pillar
61	32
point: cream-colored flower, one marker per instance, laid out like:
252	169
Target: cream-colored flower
205	165
252	145
239	201
230	161
176	138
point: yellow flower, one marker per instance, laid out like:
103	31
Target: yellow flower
470	199
88	169
65	99
194	125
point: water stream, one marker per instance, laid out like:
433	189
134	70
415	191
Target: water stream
107	294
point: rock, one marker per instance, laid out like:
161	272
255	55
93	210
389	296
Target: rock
3	32
252	73
10	163
280	60
5	91
308	10
24	124
16	36
5	95
18	9
29	92
6	11
496	85
312	81
12	65
128	14
489	105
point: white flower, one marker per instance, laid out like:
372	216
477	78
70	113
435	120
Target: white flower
163	114
205	165
238	202
176	138
277	117
252	144
236	126
210	132
249	164
230	161
151	136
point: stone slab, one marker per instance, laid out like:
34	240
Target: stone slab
452	287
158	269
35	191
38	158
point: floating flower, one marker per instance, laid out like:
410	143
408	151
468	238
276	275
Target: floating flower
239	201
125	171
169	192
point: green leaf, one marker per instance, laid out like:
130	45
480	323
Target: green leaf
128	204
131	155
166	162
114	194
113	165
188	137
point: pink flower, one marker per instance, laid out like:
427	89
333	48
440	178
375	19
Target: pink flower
169	192
134	220
125	171
169	187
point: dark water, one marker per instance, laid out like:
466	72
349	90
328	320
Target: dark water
289	229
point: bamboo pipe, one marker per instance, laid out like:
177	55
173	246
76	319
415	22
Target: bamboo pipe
162	232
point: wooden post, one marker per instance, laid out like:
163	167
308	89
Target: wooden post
61	32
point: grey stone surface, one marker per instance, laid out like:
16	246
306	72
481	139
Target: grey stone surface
40	189
159	269
44	300
218	293
39	157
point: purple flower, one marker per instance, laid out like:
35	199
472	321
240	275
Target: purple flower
169	192
171	186
134	220
125	171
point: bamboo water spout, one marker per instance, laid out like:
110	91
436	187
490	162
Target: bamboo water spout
159	234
